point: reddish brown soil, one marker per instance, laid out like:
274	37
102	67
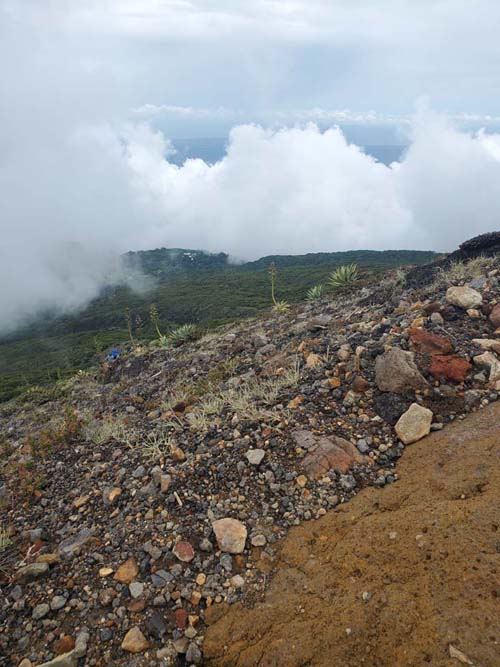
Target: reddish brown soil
427	550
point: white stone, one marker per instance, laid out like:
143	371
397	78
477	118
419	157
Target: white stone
231	535
414	424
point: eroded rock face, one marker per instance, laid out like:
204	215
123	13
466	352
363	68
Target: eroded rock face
326	453
397	372
231	535
464	297
414	424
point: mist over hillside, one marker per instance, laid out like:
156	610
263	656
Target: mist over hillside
186	286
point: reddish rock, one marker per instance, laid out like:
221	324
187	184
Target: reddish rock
181	617
359	384
184	551
64	645
449	367
495	316
332	452
434	307
425	342
137	605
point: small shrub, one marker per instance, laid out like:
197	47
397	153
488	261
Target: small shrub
5	543
99	431
49	440
281	307
343	276
183	334
315	293
6	450
5	540
156	446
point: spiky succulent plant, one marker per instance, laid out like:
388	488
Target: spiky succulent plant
315	293
344	275
183	334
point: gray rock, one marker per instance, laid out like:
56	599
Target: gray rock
397	372
193	654
16	593
57	602
136	589
255	456
156	625
347	482
161	578
362	446
40	611
72	545
31	572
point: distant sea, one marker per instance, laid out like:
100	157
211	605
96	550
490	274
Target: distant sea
212	149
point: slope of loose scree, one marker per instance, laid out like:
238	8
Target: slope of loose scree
403	576
112	487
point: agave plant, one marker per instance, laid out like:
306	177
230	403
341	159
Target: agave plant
315	293
281	307
344	275
183	334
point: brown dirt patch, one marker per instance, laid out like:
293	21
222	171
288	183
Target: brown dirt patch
426	550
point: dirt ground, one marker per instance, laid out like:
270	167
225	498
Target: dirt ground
394	577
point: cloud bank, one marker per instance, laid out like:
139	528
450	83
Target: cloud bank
71	204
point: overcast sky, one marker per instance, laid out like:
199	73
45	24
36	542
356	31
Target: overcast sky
92	91
203	64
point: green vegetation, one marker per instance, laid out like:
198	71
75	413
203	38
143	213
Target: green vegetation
279	306
183	334
315	293
346	274
209	292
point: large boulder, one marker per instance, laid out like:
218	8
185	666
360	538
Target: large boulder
464	297
397	372
414	424
231	535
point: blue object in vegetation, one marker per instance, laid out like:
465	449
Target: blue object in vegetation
113	355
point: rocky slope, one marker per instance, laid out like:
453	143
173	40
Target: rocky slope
406	575
138	499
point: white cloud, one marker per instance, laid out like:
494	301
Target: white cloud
78	185
290	117
293	190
